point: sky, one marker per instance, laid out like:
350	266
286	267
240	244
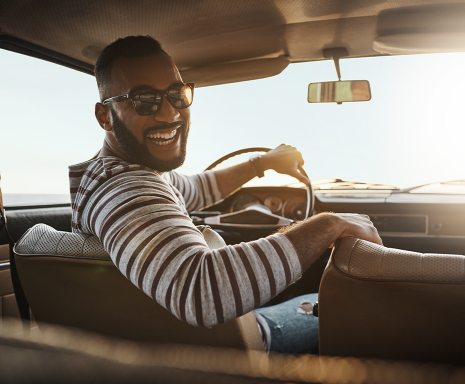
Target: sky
410	133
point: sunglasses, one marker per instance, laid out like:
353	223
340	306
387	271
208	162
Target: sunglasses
149	102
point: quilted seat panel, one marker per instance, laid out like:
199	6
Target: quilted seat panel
44	240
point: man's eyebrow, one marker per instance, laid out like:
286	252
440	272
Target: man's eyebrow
148	87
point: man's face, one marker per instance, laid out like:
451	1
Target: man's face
157	141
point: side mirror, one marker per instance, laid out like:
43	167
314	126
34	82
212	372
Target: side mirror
339	91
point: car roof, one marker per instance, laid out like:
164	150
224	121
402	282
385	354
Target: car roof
216	42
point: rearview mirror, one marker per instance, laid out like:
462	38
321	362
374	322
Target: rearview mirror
339	91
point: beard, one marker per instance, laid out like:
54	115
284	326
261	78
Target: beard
139	152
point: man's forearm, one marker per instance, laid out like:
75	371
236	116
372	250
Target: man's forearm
313	236
232	178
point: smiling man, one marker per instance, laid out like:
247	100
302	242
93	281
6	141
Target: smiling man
133	200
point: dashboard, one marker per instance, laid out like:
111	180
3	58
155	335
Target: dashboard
418	222
290	203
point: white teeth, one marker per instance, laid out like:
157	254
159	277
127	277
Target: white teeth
164	142
159	135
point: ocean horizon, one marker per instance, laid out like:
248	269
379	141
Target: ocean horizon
19	199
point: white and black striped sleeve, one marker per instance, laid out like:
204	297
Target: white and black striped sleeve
199	191
145	228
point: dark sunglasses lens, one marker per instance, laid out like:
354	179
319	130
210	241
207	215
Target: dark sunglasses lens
181	97
147	103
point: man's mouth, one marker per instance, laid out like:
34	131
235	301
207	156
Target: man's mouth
163	137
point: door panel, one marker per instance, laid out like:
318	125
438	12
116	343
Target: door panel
8	308
19	221
4	254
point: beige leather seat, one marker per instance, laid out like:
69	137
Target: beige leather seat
70	280
387	303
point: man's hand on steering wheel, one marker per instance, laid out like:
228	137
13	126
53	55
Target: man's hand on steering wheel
285	159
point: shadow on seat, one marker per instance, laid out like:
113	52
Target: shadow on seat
386	303
70	280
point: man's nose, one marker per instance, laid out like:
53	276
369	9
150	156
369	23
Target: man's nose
167	113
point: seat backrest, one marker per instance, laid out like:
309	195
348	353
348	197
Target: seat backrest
388	303
70	280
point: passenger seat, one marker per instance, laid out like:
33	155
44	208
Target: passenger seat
379	302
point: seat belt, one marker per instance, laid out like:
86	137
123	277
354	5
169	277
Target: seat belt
21	299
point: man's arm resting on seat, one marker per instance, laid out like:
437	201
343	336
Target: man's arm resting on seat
312	236
152	240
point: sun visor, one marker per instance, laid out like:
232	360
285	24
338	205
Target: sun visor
234	72
417	43
432	28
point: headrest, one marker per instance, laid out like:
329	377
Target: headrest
44	240
364	260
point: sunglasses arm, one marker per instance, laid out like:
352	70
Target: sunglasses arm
116	98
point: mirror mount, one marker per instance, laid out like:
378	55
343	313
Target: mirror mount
335	54
338	91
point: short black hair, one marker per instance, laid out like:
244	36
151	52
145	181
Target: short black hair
130	46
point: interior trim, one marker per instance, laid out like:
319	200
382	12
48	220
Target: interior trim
38	206
374	217
4	265
14	44
406	234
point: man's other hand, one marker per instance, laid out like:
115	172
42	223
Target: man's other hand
285	159
359	226
312	236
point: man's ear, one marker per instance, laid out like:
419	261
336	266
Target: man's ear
102	114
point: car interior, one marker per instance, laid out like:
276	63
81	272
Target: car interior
401	301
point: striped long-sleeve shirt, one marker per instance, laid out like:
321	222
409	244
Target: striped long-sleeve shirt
142	220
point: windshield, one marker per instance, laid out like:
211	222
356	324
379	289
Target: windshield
410	133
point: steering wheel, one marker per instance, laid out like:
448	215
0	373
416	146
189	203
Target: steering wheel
310	194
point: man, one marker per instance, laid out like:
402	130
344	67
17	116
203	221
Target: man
130	197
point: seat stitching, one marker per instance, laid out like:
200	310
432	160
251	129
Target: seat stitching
350	256
59	241
34	246
83	244
421	266
350	259
381	272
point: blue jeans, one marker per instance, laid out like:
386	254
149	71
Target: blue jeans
292	326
